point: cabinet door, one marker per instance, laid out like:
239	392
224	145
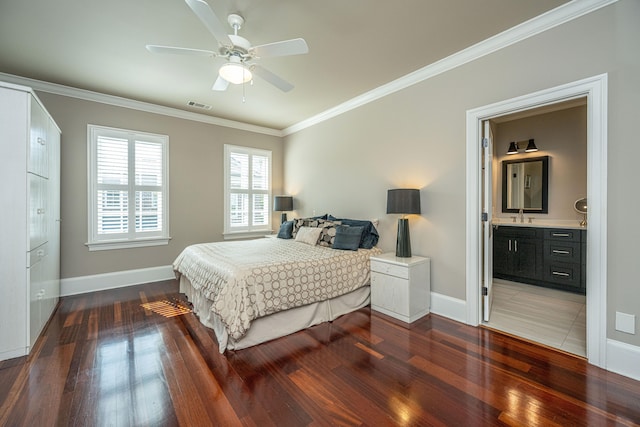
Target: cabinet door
38	195
390	293
53	221
38	147
37	291
502	263
525	260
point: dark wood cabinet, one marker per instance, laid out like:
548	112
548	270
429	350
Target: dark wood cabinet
547	257
517	252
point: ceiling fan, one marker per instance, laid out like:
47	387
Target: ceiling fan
240	55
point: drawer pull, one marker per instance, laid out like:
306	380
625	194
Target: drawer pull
41	141
559	273
560	234
558	251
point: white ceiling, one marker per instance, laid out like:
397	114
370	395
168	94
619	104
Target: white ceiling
354	46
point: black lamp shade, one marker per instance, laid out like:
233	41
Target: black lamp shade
513	148
403	201
531	147
283	203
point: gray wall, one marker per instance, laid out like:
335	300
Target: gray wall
195	181
416	137
561	135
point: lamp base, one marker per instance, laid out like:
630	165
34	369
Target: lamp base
283	218
403	244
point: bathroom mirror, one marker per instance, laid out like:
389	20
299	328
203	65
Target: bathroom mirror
525	185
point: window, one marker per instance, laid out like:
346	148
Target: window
247	207
128	189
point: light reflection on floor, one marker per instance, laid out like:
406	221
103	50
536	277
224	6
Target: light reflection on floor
130	379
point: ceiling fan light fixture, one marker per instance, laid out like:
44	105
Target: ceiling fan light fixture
235	72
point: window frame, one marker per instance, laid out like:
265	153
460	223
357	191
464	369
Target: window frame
250	230
133	238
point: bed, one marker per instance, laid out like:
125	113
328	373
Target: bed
253	291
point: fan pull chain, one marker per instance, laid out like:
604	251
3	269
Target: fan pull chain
243	85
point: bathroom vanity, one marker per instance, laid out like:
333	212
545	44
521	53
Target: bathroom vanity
544	256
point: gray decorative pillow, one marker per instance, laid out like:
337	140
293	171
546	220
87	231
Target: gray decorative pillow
370	235
348	237
286	230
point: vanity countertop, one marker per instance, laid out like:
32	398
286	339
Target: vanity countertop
541	223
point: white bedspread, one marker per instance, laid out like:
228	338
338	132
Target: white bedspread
249	279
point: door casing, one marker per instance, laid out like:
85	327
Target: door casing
595	90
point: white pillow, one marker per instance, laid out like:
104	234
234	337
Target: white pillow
308	235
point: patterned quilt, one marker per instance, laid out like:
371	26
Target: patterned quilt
249	279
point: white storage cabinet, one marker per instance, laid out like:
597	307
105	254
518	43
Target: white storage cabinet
400	287
30	219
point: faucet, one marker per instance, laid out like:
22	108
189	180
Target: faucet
521	214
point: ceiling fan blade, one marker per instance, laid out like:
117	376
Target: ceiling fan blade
268	76
179	50
283	48
220	84
210	20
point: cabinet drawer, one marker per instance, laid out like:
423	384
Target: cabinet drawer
507	231
390	269
561	251
562	234
564	274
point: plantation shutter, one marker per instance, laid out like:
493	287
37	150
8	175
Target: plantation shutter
248	189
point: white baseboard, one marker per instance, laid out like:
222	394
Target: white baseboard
118	279
446	306
623	359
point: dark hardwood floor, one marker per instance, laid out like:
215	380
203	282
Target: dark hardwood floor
105	360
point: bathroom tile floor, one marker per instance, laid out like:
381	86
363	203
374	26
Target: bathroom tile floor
548	316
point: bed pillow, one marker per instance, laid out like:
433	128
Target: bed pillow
286	230
348	237
308	235
328	233
314	221
370	235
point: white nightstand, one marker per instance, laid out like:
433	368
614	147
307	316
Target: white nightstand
400	287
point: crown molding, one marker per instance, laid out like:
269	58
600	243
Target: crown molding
117	101
553	18
548	20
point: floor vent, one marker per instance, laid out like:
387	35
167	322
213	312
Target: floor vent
198	105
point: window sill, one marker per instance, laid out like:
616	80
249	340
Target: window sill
246	234
126	244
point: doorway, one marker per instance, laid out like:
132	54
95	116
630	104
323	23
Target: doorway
544	182
594	89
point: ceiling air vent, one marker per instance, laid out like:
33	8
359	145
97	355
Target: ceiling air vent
198	105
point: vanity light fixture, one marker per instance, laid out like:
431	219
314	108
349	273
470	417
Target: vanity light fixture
531	147
514	147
